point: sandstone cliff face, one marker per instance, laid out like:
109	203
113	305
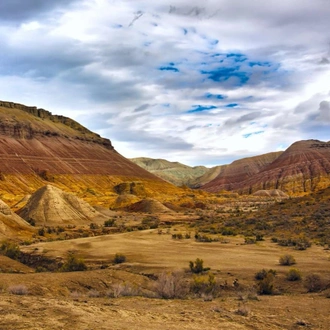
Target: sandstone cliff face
37	147
302	168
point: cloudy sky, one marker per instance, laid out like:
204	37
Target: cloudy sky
200	82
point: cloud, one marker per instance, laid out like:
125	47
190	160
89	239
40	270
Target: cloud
174	80
324	112
18	10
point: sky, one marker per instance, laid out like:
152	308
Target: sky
199	82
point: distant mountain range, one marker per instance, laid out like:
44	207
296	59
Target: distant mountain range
302	168
174	172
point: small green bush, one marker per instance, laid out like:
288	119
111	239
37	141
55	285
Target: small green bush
73	264
293	275
263	273
287	260
204	285
10	249
119	258
197	266
266	285
93	226
110	223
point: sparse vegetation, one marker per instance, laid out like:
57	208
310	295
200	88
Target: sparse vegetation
119	258
197	266
313	283
293	275
260	275
205	285
73	264
171	285
19	289
287	260
110	223
10	249
265	281
243	310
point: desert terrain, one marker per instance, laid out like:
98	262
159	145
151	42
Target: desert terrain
90	240
109	295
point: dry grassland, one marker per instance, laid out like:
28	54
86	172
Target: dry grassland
79	299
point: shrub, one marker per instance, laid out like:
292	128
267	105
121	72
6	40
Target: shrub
41	231
313	283
93	293
121	289
93	226
19	289
197	266
10	250
263	273
110	223
293	275
287	260
171	285
249	240
204	285
73	264
119	258
31	221
266	285
243	310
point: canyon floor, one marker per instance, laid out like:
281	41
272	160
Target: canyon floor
66	300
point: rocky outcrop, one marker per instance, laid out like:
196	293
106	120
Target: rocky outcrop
13	123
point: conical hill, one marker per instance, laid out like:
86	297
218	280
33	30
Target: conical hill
50	206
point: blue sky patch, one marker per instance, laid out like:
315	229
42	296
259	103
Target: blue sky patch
224	73
259	63
215	96
169	68
237	57
254	133
201	108
232	105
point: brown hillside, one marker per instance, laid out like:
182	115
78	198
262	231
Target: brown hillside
302	168
230	176
37	147
50	206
